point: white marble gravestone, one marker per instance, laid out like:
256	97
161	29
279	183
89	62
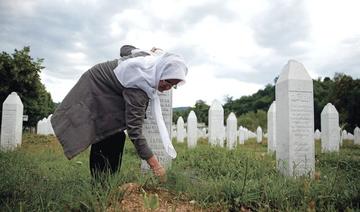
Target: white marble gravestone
343	137
330	137
271	123
151	131
216	124
204	132
246	132
231	131
259	134
44	126
11	122
357	136
39	127
173	131
295	147
180	131
317	134
192	131
241	135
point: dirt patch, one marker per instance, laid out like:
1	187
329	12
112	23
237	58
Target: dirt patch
137	198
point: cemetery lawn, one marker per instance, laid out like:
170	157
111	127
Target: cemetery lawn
38	177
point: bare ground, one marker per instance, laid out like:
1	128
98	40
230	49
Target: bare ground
137	198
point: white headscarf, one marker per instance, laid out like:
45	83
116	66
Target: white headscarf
145	73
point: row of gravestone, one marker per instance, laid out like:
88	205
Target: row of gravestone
331	136
344	135
44	127
228	132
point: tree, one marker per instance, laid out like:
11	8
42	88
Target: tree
202	111
19	72
252	120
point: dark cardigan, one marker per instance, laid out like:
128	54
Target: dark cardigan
99	106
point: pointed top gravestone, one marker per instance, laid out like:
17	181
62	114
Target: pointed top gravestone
241	135
231	131
11	122
216	124
259	134
192	130
330	137
317	134
343	137
271	122
295	148
357	136
180	131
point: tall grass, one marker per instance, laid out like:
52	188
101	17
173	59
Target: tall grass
38	177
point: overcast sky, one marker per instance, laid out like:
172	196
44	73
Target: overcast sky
232	47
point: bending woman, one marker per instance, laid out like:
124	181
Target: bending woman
112	97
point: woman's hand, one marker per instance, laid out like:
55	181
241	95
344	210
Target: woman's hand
157	168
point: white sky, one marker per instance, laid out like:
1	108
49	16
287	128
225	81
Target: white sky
233	48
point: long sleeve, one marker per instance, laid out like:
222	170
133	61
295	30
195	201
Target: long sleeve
136	102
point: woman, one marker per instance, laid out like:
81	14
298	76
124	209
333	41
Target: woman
112	97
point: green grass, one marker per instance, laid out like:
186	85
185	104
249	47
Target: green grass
38	177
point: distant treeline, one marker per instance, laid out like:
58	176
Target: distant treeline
342	91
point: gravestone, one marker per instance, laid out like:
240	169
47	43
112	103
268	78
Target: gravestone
246	131
11	122
44	126
173	131
259	134
39	127
271	123
231	131
241	135
151	131
357	136
192	130
180	131
317	134
343	137
295	147
330	137
204	132
216	124
50	129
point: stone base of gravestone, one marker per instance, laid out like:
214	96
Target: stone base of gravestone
151	131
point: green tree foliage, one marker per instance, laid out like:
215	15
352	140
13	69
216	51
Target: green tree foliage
19	72
252	120
342	91
261	100
345	95
201	110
